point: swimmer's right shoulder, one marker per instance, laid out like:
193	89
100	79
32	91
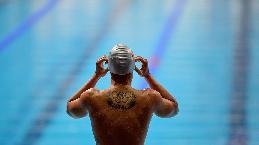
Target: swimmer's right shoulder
149	91
153	95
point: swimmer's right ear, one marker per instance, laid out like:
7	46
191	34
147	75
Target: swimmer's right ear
138	71
144	68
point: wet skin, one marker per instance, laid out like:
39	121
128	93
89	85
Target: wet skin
119	126
121	114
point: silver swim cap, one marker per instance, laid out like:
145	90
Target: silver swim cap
121	60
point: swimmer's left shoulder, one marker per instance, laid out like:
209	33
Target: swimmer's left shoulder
90	92
89	95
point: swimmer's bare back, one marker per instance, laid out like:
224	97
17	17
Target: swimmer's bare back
121	114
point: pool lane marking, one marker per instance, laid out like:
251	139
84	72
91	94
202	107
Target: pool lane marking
45	117
13	35
167	32
238	134
29	22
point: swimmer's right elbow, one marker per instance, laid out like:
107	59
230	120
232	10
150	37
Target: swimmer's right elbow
167	109
175	110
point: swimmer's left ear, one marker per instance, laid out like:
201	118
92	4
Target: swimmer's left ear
106	63
105	66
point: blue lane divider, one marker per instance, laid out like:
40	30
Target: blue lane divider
18	31
168	31
26	24
238	132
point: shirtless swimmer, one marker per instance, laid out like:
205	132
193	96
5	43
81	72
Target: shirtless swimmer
120	115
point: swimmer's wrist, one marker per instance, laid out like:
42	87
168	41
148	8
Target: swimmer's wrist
148	75
97	76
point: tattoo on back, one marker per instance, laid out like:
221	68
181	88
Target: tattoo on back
122	99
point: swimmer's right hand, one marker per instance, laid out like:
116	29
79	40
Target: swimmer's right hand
144	71
100	70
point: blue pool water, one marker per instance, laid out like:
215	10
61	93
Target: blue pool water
205	52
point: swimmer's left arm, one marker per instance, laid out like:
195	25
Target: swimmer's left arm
74	105
100	72
78	108
75	109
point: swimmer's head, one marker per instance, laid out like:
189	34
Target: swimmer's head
121	60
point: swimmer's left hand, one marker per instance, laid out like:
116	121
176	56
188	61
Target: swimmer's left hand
100	70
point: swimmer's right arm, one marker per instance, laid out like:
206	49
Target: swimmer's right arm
166	104
75	108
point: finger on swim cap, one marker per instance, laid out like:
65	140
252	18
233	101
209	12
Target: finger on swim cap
121	60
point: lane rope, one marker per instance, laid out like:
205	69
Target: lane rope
28	23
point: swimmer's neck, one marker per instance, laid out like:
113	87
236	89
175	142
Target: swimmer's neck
126	84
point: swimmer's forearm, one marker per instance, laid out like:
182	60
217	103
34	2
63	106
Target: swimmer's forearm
74	107
90	84
167	109
156	86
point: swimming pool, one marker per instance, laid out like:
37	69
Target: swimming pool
204	52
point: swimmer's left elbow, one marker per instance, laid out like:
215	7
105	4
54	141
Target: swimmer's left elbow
75	111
